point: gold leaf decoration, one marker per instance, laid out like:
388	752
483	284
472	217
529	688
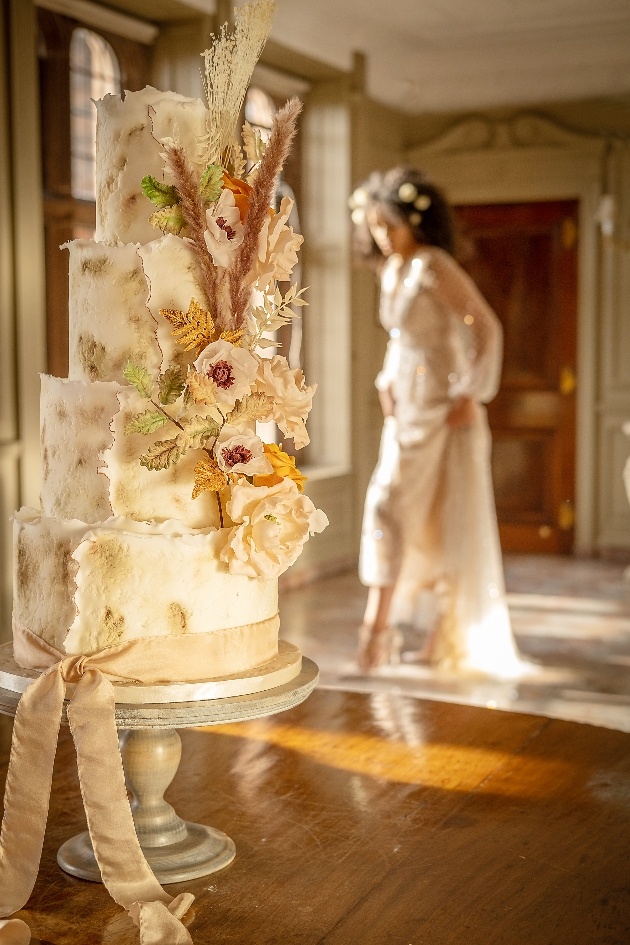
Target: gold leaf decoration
255	407
208	477
193	329
197	431
200	388
234	337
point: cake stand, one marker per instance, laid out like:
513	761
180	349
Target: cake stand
148	718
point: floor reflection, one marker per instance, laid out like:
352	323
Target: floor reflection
570	616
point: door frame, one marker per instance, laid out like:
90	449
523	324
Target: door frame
528	158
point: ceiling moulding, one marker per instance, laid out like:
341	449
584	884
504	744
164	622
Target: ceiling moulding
279	84
526	130
104	18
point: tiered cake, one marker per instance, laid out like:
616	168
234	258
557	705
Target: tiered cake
166	382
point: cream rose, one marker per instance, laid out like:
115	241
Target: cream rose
238	451
271	525
292	398
278	246
231	370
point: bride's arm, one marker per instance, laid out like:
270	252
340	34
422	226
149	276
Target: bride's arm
458	293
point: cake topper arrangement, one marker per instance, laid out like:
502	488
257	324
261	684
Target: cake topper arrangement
219	199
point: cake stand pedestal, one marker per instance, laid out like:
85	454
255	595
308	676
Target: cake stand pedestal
175	849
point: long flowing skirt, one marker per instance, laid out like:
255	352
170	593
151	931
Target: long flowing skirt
430	522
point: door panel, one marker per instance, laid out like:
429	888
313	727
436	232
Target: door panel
523	257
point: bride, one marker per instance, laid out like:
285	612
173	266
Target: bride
430	522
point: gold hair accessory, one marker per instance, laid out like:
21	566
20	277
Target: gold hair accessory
359	198
422	202
415	219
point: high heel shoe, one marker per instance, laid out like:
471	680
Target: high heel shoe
378	648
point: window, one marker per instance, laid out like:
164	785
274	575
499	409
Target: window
94	72
260	111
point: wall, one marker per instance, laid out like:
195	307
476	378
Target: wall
581	150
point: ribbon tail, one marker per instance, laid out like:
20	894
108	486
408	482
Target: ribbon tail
124	870
27	795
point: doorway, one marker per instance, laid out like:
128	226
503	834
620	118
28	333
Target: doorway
523	257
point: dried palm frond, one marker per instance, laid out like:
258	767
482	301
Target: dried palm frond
229	64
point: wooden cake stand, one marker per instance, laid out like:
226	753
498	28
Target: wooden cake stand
148	718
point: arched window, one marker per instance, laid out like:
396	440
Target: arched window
94	71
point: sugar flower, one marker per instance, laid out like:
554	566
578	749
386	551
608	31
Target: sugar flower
225	230
283	468
239	451
271	526
230	369
242	193
292	398
277	247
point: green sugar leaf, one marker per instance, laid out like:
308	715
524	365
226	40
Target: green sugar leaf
169	220
171	385
162	454
147	422
211	183
162	195
198	430
140	378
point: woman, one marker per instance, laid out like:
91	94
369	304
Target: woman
430	521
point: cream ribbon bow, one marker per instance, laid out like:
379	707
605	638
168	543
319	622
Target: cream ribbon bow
124	870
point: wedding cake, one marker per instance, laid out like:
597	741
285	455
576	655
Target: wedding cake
162	512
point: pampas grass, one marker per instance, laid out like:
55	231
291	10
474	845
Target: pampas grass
263	189
195	215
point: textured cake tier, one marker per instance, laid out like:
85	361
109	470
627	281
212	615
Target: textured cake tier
109	322
127	149
116	293
82	588
75	430
91	468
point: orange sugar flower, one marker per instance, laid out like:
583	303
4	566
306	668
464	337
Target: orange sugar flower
283	468
242	193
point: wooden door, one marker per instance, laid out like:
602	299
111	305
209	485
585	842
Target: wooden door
523	257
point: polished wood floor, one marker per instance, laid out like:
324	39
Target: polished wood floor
380	819
571	616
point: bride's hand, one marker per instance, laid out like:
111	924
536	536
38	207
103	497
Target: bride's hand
462	413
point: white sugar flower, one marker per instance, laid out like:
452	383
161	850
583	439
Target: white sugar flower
292	398
238	451
277	247
232	370
271	525
224	231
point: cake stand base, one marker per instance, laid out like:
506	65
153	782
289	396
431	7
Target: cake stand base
175	850
151	751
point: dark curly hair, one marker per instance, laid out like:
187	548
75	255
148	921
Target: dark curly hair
405	195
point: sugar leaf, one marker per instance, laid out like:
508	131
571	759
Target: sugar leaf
193	329
200	388
211	183
253	143
147	422
169	220
256	406
171	385
208	477
162	195
162	454
140	378
197	431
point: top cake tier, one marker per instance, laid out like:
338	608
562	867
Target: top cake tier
128	147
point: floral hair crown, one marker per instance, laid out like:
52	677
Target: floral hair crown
218	201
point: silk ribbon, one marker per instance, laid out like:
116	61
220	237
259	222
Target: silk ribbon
91	716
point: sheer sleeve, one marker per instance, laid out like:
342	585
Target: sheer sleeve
456	291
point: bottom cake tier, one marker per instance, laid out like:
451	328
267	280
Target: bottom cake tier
82	588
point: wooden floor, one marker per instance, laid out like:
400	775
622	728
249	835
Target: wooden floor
570	615
380	819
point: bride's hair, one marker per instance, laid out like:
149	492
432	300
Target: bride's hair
405	195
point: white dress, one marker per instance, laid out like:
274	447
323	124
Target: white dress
430	519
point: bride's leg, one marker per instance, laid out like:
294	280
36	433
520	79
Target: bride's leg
376	638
